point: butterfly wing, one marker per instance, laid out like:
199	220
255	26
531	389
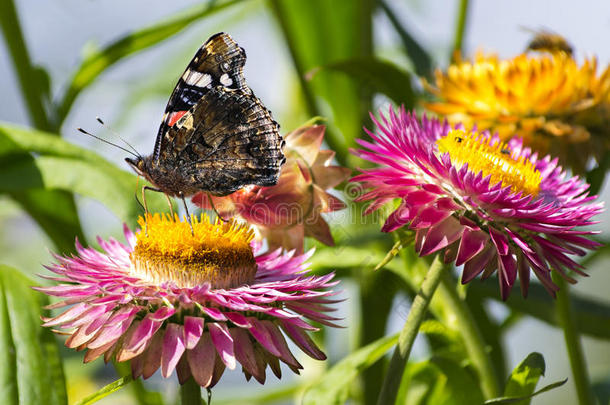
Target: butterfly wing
227	140
219	62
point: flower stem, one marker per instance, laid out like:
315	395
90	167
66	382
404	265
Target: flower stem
409	332
471	335
578	364
460	27
190	393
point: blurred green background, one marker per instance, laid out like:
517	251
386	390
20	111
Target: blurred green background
336	59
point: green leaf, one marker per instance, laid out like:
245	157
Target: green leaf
379	75
105	391
418	55
60	165
97	61
439	381
55	213
520	400
597	175
31	371
331	387
592	317
524	378
27	75
321	32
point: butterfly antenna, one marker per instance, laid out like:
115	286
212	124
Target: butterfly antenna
137	154
106	141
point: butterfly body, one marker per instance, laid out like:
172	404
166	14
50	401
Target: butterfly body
216	136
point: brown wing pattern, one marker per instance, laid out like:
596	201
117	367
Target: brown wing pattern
226	141
219	62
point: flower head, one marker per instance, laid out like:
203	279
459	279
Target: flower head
491	206
287	212
196	303
547	99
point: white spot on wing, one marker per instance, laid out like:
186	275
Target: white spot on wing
225	80
194	78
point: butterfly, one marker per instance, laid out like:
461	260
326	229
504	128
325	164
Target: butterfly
216	136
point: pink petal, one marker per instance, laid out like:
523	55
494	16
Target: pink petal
472	242
280	343
224	343
193	328
152	355
244	352
262	335
173	348
300	338
201	360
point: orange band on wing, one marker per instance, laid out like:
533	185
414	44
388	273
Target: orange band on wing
175	116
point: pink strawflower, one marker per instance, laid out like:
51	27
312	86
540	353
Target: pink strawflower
195	303
292	209
489	205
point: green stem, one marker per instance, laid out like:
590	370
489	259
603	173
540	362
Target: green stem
578	364
460	27
409	332
471	335
190	393
26	74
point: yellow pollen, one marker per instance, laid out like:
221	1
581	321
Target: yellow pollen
493	160
218	253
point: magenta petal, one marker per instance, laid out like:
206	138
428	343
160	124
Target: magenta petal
183	371
224	343
472	242
262	335
238	319
152	355
300	338
148	327
280	343
500	241
441	236
173	348
507	273
201	360
193	328
476	265
69	315
244	352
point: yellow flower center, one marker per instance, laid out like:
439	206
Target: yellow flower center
493	160
218	253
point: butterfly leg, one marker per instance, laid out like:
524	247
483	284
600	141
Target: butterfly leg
188	216
214	208
144	188
171	207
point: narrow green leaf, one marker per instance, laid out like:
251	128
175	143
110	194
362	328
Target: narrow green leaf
320	32
105	391
27	74
524	378
519	400
379	75
64	166
98	61
418	55
31	371
331	387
